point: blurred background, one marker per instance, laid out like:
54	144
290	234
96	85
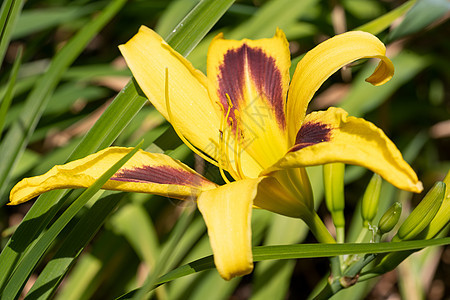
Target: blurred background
413	109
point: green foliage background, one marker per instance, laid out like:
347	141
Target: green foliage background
61	70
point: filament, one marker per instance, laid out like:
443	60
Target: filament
237	157
222	144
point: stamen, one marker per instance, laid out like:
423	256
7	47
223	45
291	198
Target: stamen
230	103
169	113
222	143
237	157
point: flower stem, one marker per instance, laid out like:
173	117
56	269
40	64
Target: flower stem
362	235
317	228
340	234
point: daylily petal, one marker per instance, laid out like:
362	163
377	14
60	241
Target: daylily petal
254	77
227	212
145	172
325	59
193	113
331	136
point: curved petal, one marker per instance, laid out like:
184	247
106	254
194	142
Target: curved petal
145	172
250	79
325	59
227	212
331	136
193	113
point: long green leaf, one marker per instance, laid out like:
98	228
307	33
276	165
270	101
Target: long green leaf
307	251
27	265
301	251
420	16
9	14
6	101
197	24
32	21
55	270
381	23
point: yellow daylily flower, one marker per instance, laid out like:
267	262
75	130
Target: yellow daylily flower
238	119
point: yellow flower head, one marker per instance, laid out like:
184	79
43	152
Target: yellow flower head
241	118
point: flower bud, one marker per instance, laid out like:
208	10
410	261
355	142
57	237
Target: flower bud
333	178
369	205
442	217
390	218
422	215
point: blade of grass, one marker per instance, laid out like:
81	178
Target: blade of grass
165	259
265	285
172	15
307	251
300	251
16	139
381	23
272	15
197	24
420	16
7	99
32	21
90	271
9	14
54	271
29	262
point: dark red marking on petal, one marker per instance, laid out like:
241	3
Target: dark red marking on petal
159	174
264	73
311	133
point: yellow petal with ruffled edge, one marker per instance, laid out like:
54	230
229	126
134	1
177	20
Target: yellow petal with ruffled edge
193	114
227	213
145	172
332	136
251	79
325	59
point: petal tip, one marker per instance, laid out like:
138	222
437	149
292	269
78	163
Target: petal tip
418	187
219	36
237	272
383	73
280	33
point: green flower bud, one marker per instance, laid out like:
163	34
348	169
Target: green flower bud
333	179
422	215
442	217
390	218
369	205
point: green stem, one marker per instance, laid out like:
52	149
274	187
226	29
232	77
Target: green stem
340	238
340	235
362	235
317	227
